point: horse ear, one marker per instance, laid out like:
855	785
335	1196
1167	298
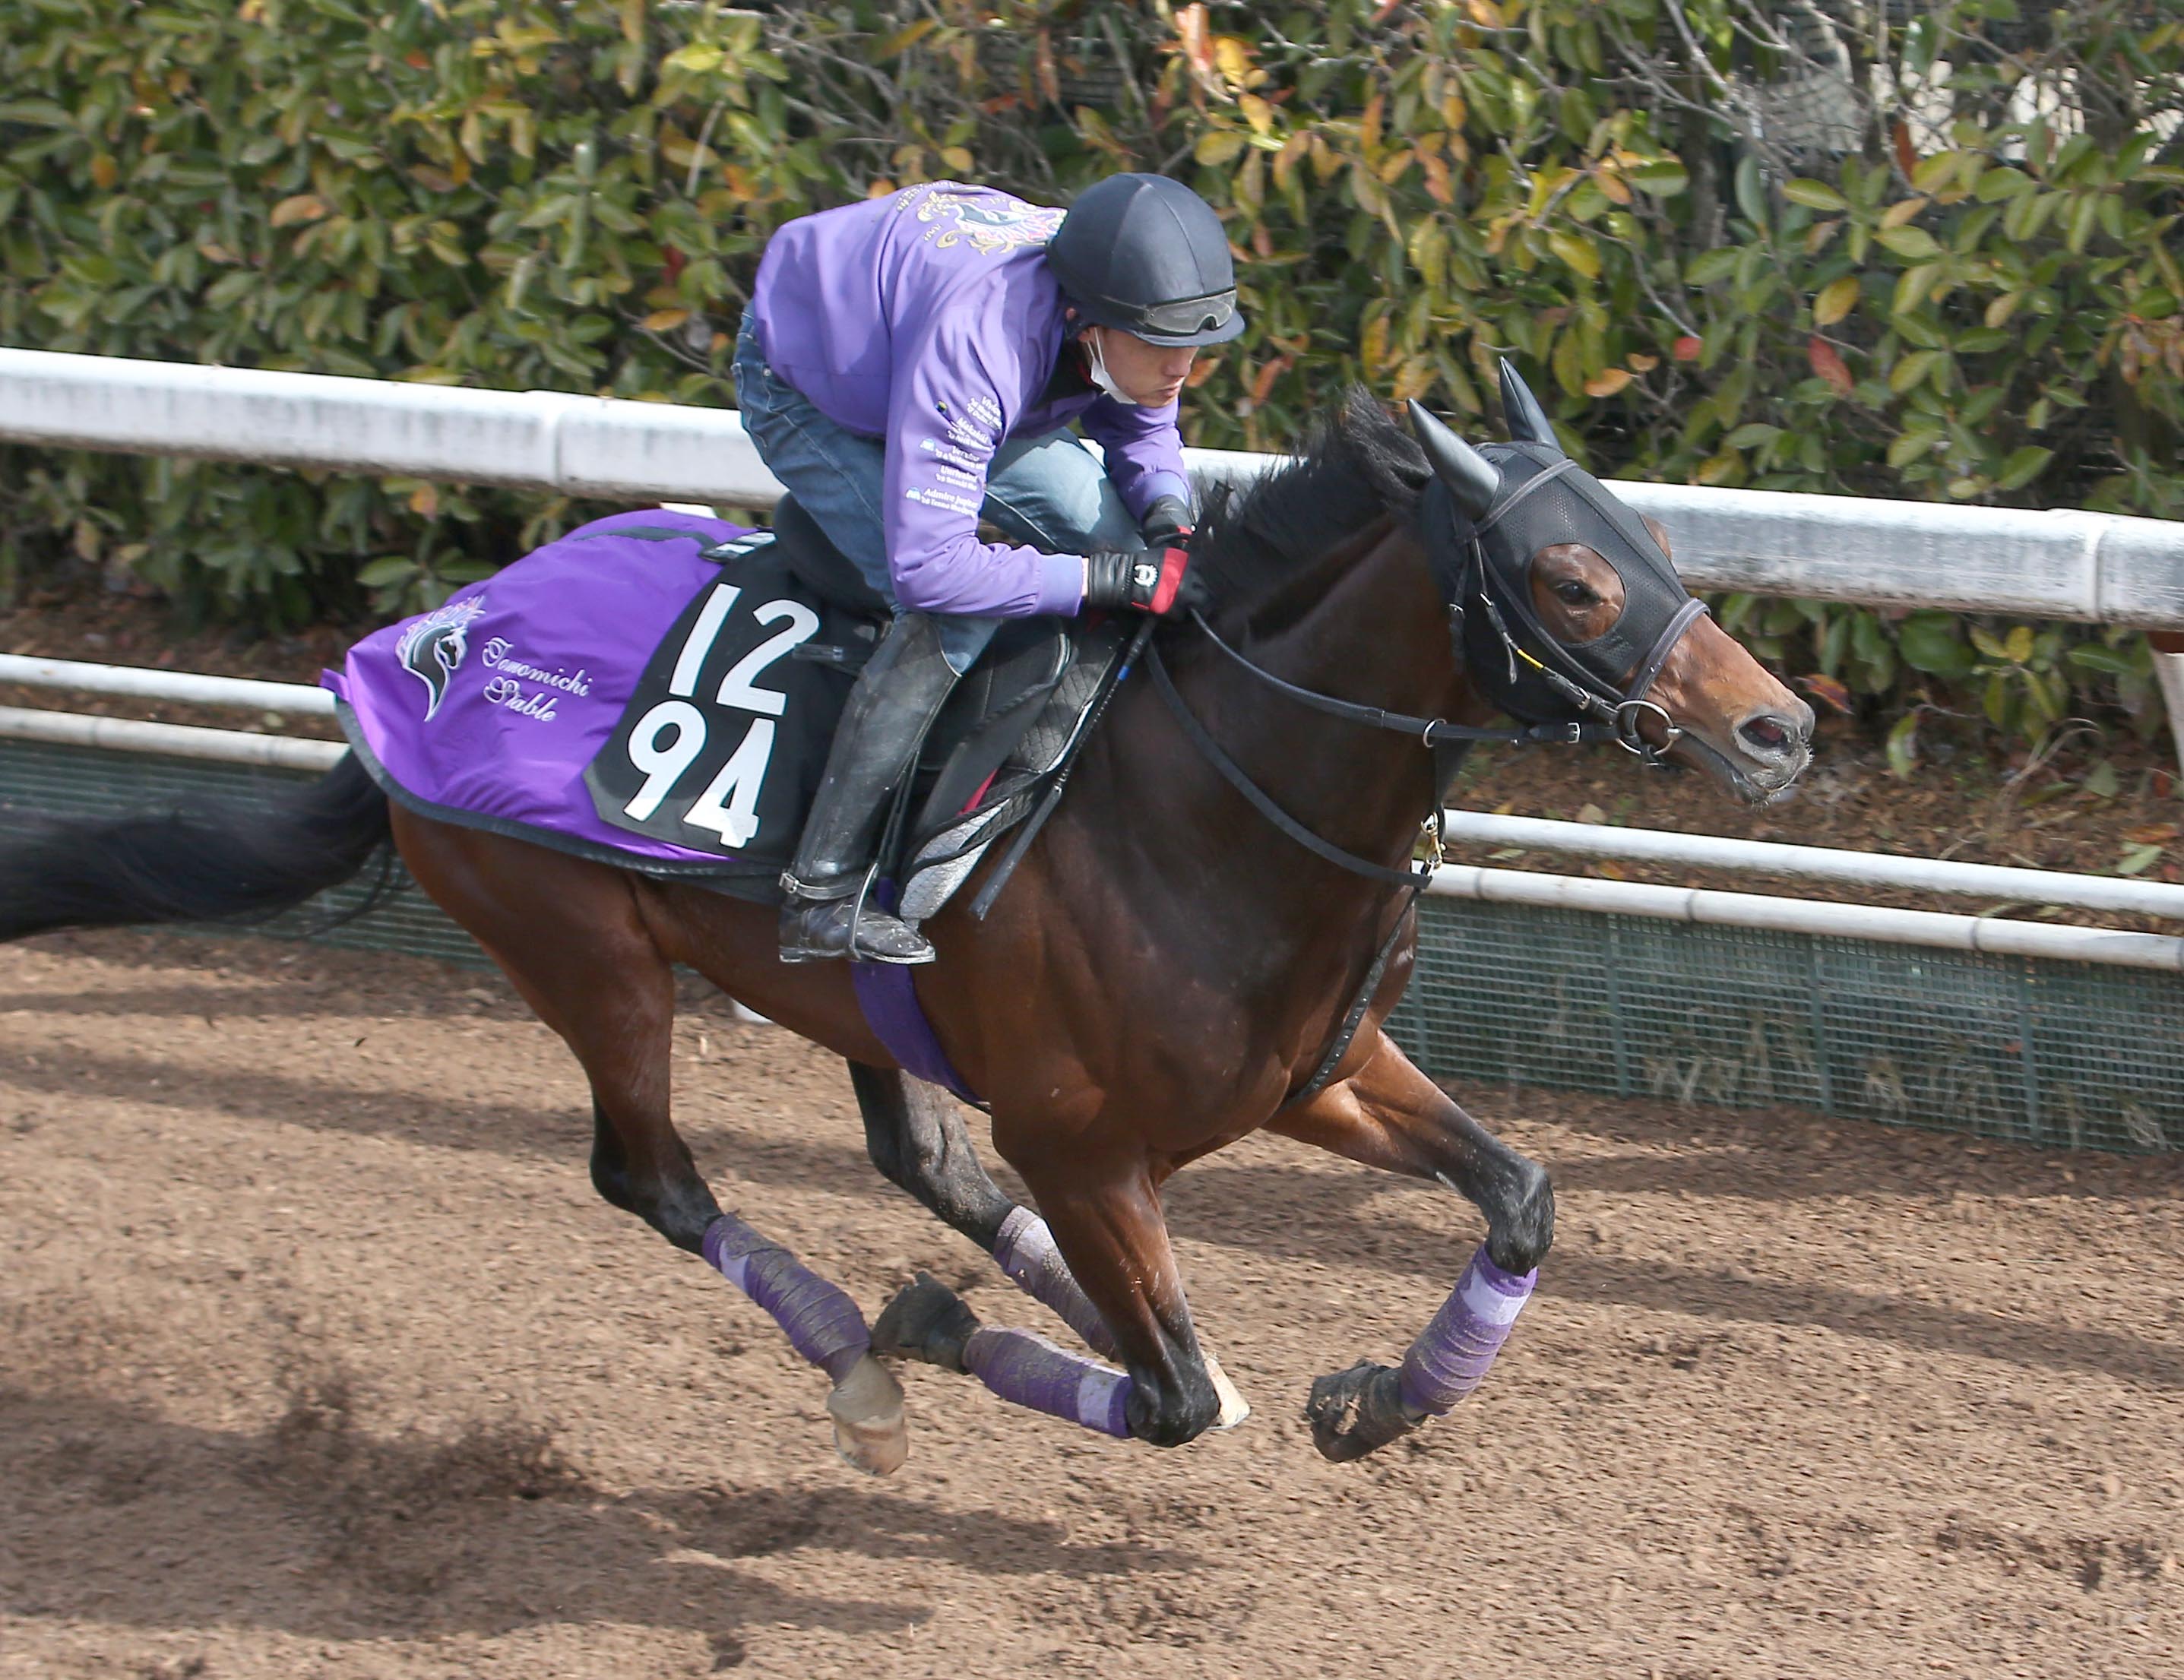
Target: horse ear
1472	478
1528	420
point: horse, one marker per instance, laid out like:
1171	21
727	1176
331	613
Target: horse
1202	944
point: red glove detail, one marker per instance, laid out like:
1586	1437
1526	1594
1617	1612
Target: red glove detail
1174	562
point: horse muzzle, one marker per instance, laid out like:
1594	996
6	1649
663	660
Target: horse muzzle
1769	748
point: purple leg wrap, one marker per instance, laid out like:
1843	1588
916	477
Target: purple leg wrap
1457	1349
1032	1372
1025	1250
822	1323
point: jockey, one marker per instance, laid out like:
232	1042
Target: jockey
910	364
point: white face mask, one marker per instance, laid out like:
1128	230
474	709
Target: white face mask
1095	370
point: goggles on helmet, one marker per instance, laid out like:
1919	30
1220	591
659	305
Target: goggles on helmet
1188	315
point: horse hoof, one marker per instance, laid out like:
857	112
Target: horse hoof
927	1321
866	1408
1235	1408
1356	1411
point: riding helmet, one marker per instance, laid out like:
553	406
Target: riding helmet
1147	255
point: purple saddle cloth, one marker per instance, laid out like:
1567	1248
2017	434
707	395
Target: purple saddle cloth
487	711
498	709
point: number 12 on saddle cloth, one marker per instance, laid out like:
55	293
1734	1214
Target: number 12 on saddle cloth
698	757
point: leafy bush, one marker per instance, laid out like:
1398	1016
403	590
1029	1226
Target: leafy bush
1928	255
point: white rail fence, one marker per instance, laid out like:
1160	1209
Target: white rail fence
2099	567
1497	886
2084	566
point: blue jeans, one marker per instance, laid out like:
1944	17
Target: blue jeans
1048	492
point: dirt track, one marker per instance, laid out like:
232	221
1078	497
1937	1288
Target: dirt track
319	1358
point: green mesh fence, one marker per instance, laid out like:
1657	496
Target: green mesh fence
2074	1056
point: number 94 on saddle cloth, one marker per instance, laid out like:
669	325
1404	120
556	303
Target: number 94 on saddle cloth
654	689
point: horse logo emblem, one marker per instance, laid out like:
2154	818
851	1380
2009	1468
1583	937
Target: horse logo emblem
434	648
990	229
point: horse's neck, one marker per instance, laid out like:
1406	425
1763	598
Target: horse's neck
1363	625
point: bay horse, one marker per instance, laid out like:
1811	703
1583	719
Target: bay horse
1203	943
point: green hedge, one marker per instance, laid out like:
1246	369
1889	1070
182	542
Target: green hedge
1929	259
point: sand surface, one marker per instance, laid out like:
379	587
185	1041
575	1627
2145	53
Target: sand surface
318	1357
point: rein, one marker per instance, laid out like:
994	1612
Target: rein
1427	731
1412	880
1617	716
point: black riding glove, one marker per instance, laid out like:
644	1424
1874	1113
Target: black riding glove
1145	580
1167	522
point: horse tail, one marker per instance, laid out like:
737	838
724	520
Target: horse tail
211	862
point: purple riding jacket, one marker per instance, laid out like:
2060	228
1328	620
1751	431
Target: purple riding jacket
928	319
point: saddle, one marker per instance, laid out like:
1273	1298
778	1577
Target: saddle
1012	723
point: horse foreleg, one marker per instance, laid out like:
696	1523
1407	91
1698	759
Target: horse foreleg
1109	1226
915	1136
1389	1115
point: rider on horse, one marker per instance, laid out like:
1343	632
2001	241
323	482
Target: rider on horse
911	362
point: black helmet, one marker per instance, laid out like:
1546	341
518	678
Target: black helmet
1147	254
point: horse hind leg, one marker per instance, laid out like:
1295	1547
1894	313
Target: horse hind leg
570	936
916	1137
640	1163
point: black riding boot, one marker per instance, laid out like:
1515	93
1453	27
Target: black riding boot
896	697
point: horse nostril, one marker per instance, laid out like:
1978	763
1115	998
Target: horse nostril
1766	735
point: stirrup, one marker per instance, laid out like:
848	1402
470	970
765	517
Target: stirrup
816	929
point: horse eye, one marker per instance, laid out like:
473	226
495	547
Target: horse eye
1573	593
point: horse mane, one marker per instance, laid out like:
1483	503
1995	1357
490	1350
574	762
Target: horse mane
1356	466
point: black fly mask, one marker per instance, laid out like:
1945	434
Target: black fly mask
1488	513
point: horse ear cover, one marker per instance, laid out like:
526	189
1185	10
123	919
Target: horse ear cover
1471	478
1528	421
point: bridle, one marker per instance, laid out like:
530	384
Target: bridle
1458	550
1460	566
1615	714
1621	712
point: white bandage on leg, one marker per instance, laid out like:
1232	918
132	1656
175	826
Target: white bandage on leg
1026	1251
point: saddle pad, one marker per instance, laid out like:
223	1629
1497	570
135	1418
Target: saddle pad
722	746
942	858
511	707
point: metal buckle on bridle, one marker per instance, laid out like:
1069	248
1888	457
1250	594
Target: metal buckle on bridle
1628	738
